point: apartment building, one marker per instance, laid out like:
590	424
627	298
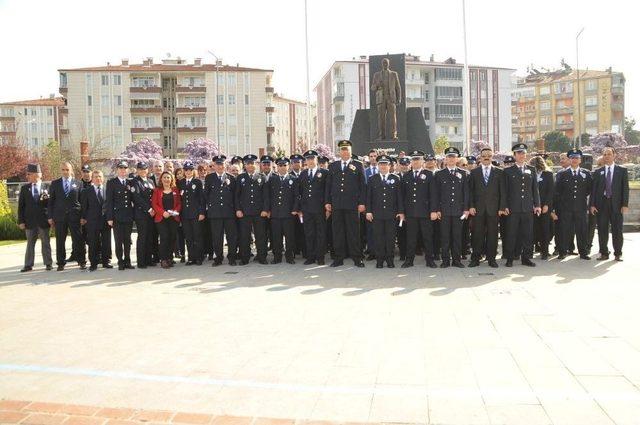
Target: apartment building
171	102
290	122
549	101
33	123
435	87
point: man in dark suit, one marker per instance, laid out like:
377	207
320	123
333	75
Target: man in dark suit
384	205
450	205
522	201
64	215
192	214
32	217
283	209
573	187
219	193
609	201
142	191
119	212
300	247
94	220
487	203
345	199
311	201
252	205
416	185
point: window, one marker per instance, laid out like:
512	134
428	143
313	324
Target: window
591	116
50	112
34	126
592	85
117	139
449	111
117	120
194	101
106	122
117	100
426	113
591	100
246	99
105	79
220	99
545	120
448	92
448	74
89	100
221	79
545	105
232	99
104	100
33	112
144	82
117	80
63	79
563	88
544	90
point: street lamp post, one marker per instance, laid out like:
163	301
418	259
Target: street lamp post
218	63
306	48
578	126
465	82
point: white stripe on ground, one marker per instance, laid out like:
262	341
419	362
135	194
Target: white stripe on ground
504	393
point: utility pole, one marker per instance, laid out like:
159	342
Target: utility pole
578	126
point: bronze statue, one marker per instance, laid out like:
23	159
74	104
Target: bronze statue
386	86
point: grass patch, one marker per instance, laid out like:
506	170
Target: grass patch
9	242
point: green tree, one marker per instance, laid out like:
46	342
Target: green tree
442	142
585	139
556	141
279	153
630	135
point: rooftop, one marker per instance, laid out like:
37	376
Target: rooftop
166	66
56	101
563	75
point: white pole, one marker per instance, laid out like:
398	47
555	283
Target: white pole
306	48
578	125
465	82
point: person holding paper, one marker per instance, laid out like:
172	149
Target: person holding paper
384	205
167	204
450	205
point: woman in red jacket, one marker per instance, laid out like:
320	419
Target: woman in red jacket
166	202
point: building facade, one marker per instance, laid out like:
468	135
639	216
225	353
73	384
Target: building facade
435	87
171	102
290	122
550	101
34	123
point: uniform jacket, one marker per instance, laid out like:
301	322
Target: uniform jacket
384	198
219	195
312	191
450	193
252	194
346	188
521	189
119	201
283	195
192	194
572	191
416	193
142	192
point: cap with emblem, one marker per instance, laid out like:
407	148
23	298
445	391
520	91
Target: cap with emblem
219	159
323	159
416	154
451	151
384	159
404	160
509	159
123	164
34	168
471	159
429	157
519	147
266	159
141	165
296	157
86	168
574	153
249	158
282	161
236	159
495	163
310	153
343	144
188	165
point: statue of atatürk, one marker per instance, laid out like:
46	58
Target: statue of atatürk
386	86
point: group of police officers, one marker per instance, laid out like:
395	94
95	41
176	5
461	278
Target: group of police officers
310	206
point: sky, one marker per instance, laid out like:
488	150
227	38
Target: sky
40	37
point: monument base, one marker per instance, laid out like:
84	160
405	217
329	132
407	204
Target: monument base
392	147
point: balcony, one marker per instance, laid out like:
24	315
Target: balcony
545	127
191	109
564	110
529	113
188	129
544	96
338	97
145	89
138	109
63	91
448	117
448	99
268	89
617	106
416	99
339	117
64	131
4	118
191	89
271	129
419	81
617	89
269	109
564	126
146	129
544	111
564	95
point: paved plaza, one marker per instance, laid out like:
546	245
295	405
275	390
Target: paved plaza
558	344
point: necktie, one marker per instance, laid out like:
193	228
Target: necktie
452	171
607	187
66	186
311	174
344	165
486	175
415	175
99	193
282	179
36	193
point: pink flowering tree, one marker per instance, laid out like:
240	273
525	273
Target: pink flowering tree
477	146
142	150
325	150
201	149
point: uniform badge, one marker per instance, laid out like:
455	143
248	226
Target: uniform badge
527	171
423	177
352	167
259	181
319	175
290	182
242	180
227	182
132	189
458	175
181	192
74	185
193	186
583	175
602	172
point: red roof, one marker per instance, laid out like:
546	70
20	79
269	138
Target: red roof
57	101
168	67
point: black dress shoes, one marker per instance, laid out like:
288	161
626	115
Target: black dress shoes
26	269
458	264
337	263
527	262
474	263
445	264
308	261
509	263
406	264
492	263
358	263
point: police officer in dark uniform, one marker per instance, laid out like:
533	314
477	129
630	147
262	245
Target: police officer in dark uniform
345	199
296	169
416	194
283	209
450	205
192	214
219	194
85	179
252	205
522	202
404	164
384	206
141	191
119	213
573	187
312	185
